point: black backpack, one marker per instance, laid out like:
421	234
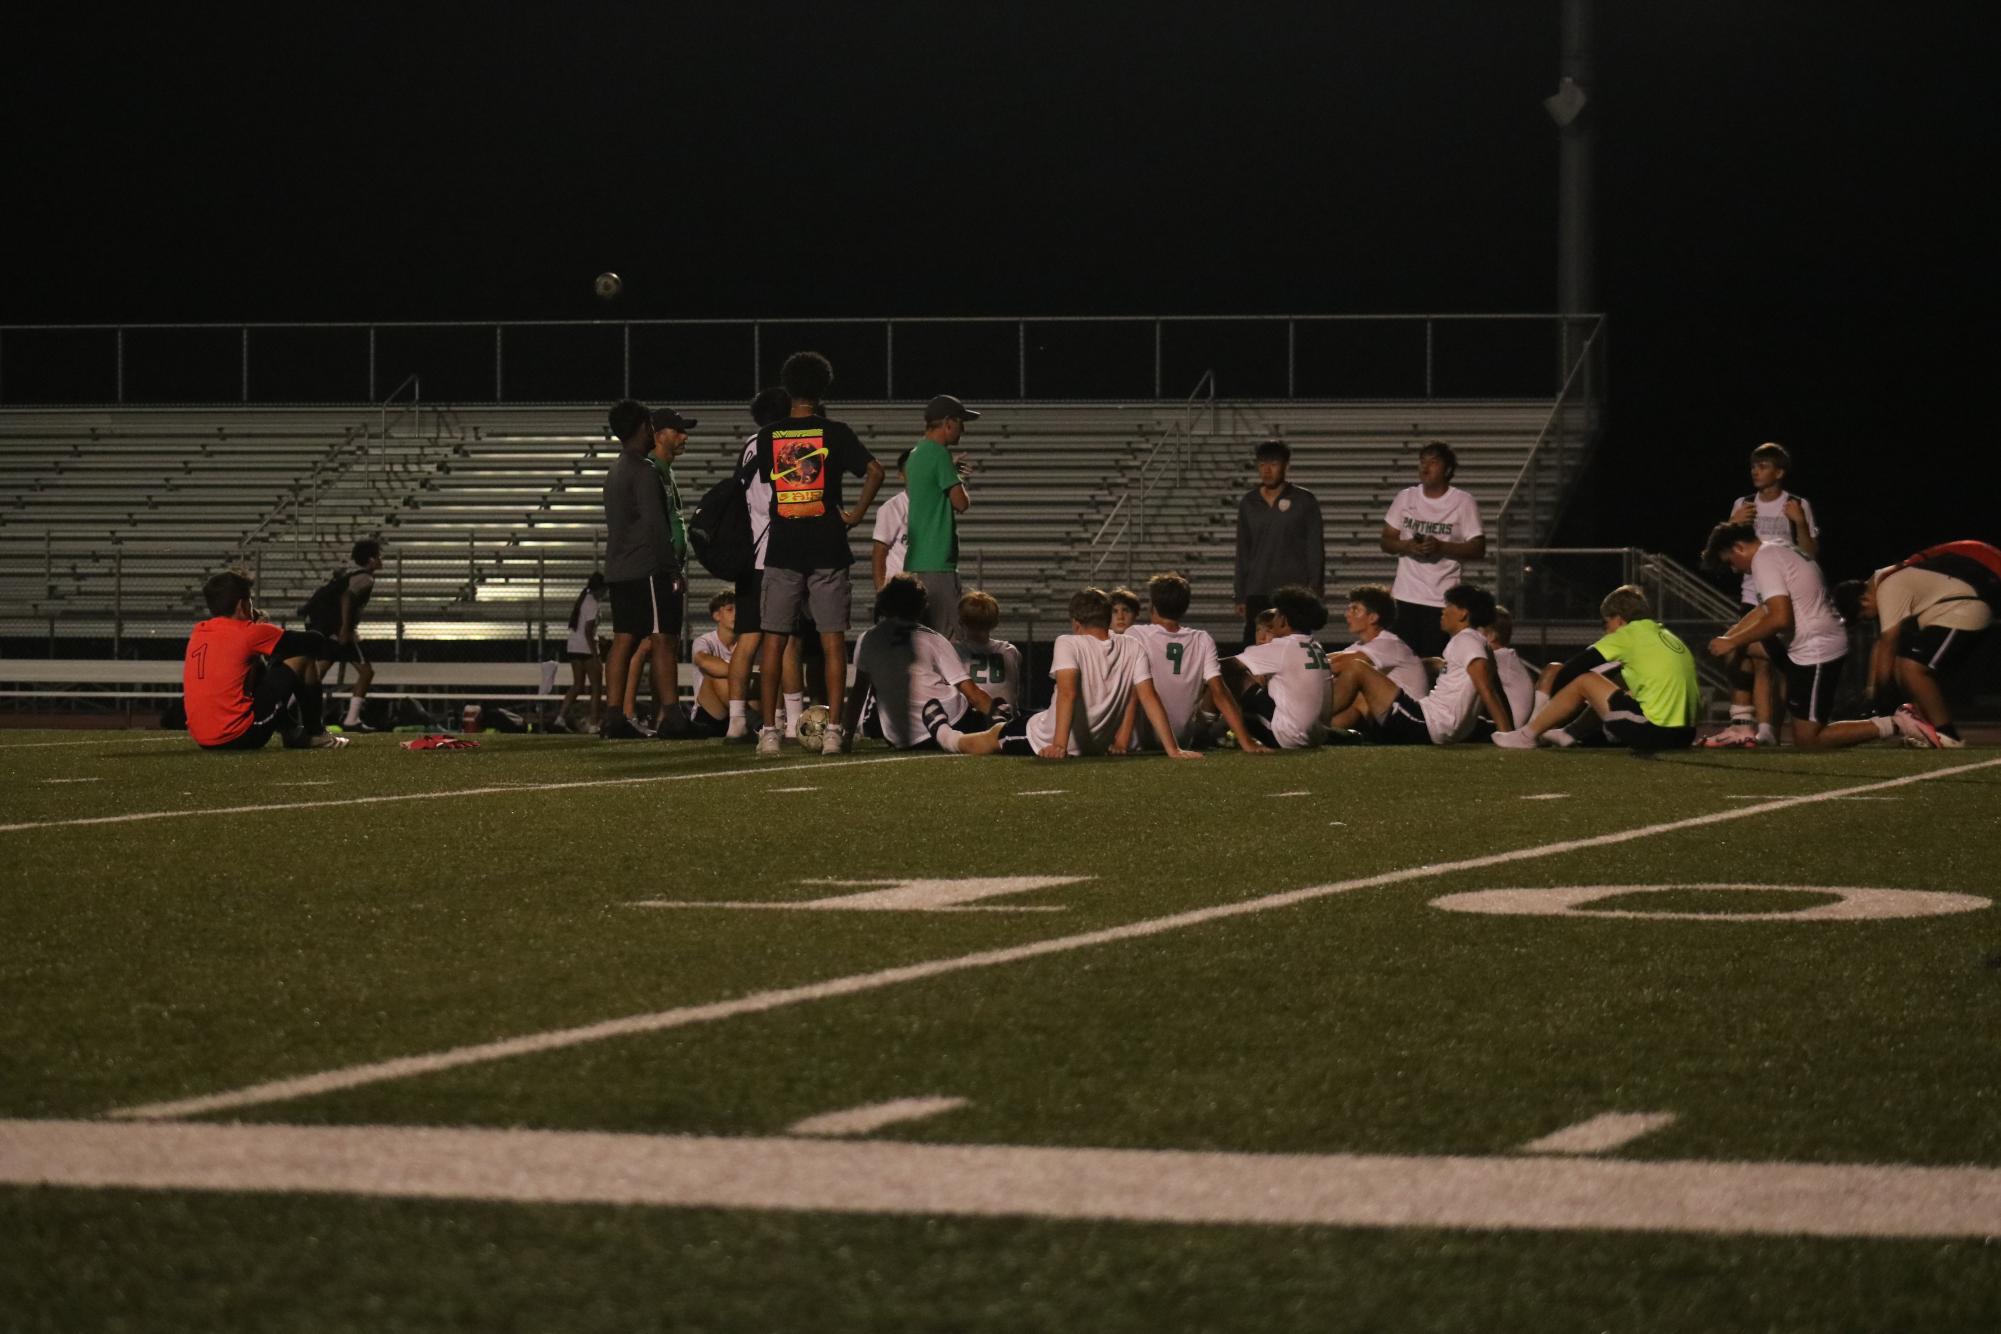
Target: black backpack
719	532
323	607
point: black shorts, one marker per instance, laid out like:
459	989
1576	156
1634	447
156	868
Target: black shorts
1014	737
648	606
748	590
1940	649
269	711
1403	725
1810	689
1625	725
1258	708
353	652
703	724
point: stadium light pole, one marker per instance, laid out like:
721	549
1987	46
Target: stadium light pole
1576	292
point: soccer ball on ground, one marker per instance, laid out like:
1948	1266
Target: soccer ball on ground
608	286
813	727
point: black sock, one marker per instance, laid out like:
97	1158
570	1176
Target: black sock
312	717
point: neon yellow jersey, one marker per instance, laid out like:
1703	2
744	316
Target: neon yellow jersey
1659	671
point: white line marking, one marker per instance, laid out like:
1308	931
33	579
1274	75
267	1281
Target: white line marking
864	1177
310	782
1851	904
901	896
865	1120
1544	796
1338	824
777	790
404	1067
1601	1134
72	780
1301	793
1044	792
105	741
1763	796
487	791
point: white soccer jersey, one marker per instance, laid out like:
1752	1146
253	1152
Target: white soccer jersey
1774	528
1452	517
1517	683
580	644
910	666
1300	683
1395	659
757	498
1183	662
712	644
892	529
1817	634
1108	670
995	667
1453	704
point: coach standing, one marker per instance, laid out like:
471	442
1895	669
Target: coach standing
937	499
1281	539
639	561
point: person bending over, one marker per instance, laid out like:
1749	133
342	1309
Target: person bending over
1933	610
235	699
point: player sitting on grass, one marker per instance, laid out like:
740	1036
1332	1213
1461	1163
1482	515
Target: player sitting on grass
1097	674
1263	622
709	715
923	696
1125	609
1518	683
1284	686
1651	706
1183	663
1467	683
233	702
1371	609
1933	608
994	665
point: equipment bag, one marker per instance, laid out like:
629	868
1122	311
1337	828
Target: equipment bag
720	531
1975	564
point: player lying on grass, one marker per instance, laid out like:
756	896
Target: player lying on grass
1182	661
924	698
1371	610
1797	630
1097	674
236	701
993	664
1284	686
1467	683
1933	610
1650	704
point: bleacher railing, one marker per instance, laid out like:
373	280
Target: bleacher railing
877	358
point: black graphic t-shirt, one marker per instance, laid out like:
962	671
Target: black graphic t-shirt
803	459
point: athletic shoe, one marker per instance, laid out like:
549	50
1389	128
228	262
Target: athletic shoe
326	741
674	727
619	727
1737	736
739	729
830	744
1515	740
1917	733
360	727
770	743
561	724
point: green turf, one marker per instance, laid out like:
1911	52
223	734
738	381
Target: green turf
181	956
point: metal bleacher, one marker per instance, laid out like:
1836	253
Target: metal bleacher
111	518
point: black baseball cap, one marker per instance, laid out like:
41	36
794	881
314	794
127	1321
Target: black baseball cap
943	406
667	419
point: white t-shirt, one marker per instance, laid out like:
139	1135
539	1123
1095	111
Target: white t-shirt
1934	598
1817	634
910	666
892	529
1107	670
1774	528
580	644
1183	662
1395	659
1452	517
995	667
712	644
1301	685
1453	704
757	496
1517	683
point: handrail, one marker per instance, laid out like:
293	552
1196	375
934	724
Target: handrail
718	321
1200	399
1555	411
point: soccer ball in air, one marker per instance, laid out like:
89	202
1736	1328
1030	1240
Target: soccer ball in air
608	286
813	726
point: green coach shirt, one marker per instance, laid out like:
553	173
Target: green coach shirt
670	490
934	524
1659	671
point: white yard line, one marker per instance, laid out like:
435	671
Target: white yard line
778	790
876	1116
1301	793
492	789
1544	796
1044	792
1601	1134
1134	1185
181	737
404	1067
72	780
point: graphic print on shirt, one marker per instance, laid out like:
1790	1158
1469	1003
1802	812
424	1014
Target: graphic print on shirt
799	472
987	668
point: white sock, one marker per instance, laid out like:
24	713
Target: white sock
1541	702
353	711
948	738
736	709
794	706
1557	736
1884	727
1742	713
1766	736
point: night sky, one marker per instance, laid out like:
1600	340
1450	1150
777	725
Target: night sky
1790	245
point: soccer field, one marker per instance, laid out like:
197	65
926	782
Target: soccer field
561	1034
